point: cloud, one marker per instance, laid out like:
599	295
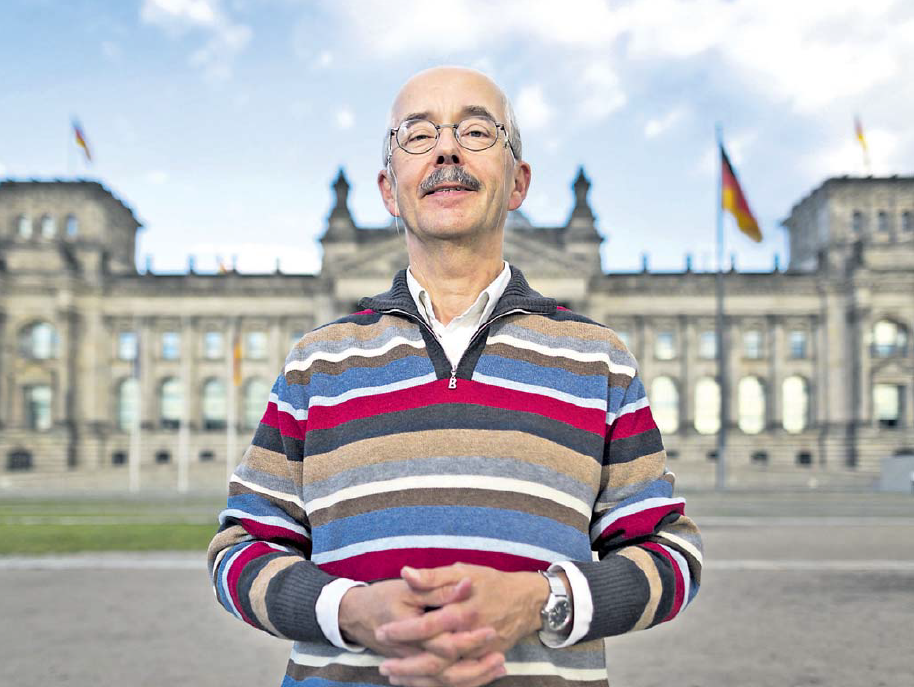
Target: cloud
3	169
533	112
323	60
256	258
225	38
344	118
737	146
111	50
846	156
601	92
659	125
157	177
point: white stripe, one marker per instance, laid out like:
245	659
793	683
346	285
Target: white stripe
372	390
546	668
360	660
482	482
281	495
224	581
598	403
636	507
356	352
413	542
870	565
688	547
580	356
686	576
626	409
273	520
287	408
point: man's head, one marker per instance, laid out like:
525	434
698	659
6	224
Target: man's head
451	189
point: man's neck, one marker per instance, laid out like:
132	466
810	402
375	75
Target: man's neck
454	277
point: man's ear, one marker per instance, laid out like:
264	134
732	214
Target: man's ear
521	181
388	193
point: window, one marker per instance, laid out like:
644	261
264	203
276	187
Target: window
707	406
256	397
119	458
751	405
665	404
171	403
804	458
795	395
128	396
665	346
857	223
255	345
48	227
24	226
213	345
907	221
707	345
72	226
889	339
797	344
207	456
38	341
759	458
38	407
672	454
171	345
214	404
887	404
127	345
882	221
624	337
711	456
163	457
18	460
752	344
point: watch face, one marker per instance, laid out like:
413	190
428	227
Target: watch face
558	615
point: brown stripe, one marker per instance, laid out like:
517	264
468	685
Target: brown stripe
337	673
445	442
355	331
646	469
258	591
353	361
646	564
222	542
293	509
565	329
452	497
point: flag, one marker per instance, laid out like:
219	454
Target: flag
732	199
81	139
858	129
236	360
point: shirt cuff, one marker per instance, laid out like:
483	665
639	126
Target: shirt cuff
583	603
327	610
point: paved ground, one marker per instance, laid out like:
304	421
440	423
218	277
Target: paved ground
823	595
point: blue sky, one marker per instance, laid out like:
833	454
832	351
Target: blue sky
223	122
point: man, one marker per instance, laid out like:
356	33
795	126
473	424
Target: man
421	501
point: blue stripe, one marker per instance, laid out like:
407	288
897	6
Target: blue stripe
659	488
582	386
221	592
255	504
295	395
322	682
453	521
396	370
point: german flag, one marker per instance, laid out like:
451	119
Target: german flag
81	139
732	199
236	360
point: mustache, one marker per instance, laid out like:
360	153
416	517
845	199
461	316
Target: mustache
449	175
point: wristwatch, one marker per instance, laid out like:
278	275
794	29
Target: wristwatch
556	612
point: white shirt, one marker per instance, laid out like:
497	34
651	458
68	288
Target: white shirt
455	339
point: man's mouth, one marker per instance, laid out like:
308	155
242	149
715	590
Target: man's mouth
447	188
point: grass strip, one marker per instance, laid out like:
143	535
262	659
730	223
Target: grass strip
58	539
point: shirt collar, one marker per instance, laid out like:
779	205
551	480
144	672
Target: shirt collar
484	304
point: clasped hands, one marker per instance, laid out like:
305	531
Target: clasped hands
444	627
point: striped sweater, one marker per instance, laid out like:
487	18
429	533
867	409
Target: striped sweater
375	453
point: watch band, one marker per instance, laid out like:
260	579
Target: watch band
556	612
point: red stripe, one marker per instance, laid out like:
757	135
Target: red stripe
679	586
562	307
632	424
253	551
271	416
639	524
467	392
290	427
364	312
274	532
380	565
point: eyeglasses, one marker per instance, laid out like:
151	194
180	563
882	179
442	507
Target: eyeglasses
417	136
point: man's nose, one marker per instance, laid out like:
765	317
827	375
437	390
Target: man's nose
448	151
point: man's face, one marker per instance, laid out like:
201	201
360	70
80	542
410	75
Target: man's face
450	192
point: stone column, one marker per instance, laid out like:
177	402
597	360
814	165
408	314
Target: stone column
776	350
149	407
688	358
7	344
278	345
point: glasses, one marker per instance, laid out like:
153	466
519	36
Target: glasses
417	136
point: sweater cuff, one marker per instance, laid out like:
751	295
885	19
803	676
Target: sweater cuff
620	593
583	604
328	612
292	601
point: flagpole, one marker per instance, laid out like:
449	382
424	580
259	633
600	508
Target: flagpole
184	428
721	467
135	441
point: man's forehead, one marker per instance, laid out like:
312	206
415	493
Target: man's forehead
448	92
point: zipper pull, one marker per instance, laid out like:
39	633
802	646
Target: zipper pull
452	384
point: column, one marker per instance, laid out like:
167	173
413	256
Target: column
7	344
776	349
688	357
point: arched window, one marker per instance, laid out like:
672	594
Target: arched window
707	406
72	225
256	396
665	404
38	407
882	220
751	405
795	394
38	341
857	223
887	404
889	339
24	226
128	396
171	403
214	404
48	227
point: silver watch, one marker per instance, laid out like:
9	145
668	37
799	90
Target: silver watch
556	612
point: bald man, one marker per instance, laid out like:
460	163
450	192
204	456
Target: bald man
462	483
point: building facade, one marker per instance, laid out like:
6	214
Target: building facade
98	359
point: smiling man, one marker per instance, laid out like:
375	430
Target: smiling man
461	483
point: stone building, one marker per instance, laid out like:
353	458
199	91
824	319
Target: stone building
96	355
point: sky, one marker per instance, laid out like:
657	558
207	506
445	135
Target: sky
222	123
